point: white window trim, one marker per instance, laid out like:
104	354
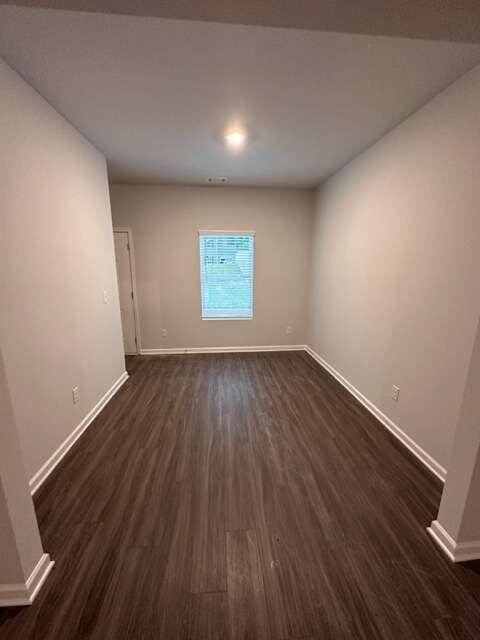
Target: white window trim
229	319
224	232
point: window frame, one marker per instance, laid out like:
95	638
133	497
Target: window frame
217	232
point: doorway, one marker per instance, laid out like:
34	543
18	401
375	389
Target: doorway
126	289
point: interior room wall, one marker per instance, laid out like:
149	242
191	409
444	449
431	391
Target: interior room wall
396	269
20	544
56	262
459	512
165	222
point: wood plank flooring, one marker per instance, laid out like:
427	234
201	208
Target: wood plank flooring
242	496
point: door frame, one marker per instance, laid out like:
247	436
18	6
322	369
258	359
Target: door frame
136	314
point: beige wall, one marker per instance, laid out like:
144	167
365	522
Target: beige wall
56	259
20	544
396	266
165	221
459	510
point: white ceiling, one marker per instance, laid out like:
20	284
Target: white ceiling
153	94
428	19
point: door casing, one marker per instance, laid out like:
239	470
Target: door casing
129	233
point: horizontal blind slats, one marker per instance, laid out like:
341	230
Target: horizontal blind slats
226	268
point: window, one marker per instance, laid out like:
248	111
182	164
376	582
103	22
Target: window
226	274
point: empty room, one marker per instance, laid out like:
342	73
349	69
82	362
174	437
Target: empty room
239	320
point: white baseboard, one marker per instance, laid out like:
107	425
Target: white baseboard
456	551
24	593
47	468
424	457
166	352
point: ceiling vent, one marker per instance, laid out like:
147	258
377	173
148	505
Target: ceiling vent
217	180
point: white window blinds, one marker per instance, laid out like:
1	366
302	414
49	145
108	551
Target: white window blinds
226	272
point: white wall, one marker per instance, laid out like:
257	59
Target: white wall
459	511
165	221
20	544
56	259
396	266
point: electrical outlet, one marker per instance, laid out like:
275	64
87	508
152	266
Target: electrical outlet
288	330
105	296
75	395
164	333
395	392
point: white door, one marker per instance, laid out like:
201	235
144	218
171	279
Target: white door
125	290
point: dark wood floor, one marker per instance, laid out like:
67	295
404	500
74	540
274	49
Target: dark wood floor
242	496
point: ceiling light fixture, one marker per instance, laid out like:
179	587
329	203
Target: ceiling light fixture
235	138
